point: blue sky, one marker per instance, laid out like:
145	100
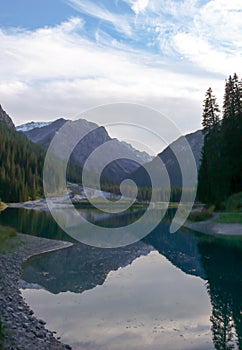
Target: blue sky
61	57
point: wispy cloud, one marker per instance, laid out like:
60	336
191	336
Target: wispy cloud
163	53
120	22
169	28
138	6
58	70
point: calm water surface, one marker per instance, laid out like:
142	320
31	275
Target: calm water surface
179	291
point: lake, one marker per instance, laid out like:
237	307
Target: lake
168	291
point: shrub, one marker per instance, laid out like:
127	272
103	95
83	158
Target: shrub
202	215
234	202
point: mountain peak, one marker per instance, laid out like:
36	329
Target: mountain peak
31	125
5	118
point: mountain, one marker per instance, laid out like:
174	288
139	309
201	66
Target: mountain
31	125
43	135
4	117
195	141
96	136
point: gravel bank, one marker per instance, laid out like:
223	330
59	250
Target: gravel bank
214	228
22	331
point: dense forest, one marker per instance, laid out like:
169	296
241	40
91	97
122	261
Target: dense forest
220	174
21	166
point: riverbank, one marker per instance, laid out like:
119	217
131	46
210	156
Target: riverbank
212	227
21	329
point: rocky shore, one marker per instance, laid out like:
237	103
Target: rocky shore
210	227
21	329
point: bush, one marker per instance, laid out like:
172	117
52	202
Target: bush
234	202
202	215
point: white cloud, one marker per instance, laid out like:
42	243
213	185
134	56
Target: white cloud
62	55
208	35
220	22
138	6
55	72
58	71
214	41
177	9
203	54
120	22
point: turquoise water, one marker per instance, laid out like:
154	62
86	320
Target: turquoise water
168	291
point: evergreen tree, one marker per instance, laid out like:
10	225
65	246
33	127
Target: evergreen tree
220	174
211	112
231	133
209	189
21	166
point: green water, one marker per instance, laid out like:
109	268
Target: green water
168	291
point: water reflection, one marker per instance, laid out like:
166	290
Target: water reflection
222	262
217	261
36	223
80	267
83	269
147	305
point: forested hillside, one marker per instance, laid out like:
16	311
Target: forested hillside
220	173
21	166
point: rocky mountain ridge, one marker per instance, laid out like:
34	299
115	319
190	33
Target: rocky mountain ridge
96	136
195	140
31	125
6	118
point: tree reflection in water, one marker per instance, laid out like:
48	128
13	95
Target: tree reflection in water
216	260
222	263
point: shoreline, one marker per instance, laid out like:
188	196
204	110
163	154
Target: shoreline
22	330
210	227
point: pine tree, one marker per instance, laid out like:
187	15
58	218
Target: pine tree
20	177
211	112
220	174
209	186
231	133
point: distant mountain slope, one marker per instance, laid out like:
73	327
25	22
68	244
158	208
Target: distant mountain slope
195	141
4	117
31	125
43	135
115	171
21	166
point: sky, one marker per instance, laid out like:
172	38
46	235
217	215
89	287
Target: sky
59	58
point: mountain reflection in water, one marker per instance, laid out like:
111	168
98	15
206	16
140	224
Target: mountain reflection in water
216	260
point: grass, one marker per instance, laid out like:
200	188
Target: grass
6	233
6	236
233	210
230	218
1	335
231	214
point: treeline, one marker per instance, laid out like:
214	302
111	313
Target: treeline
144	194
21	166
220	174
